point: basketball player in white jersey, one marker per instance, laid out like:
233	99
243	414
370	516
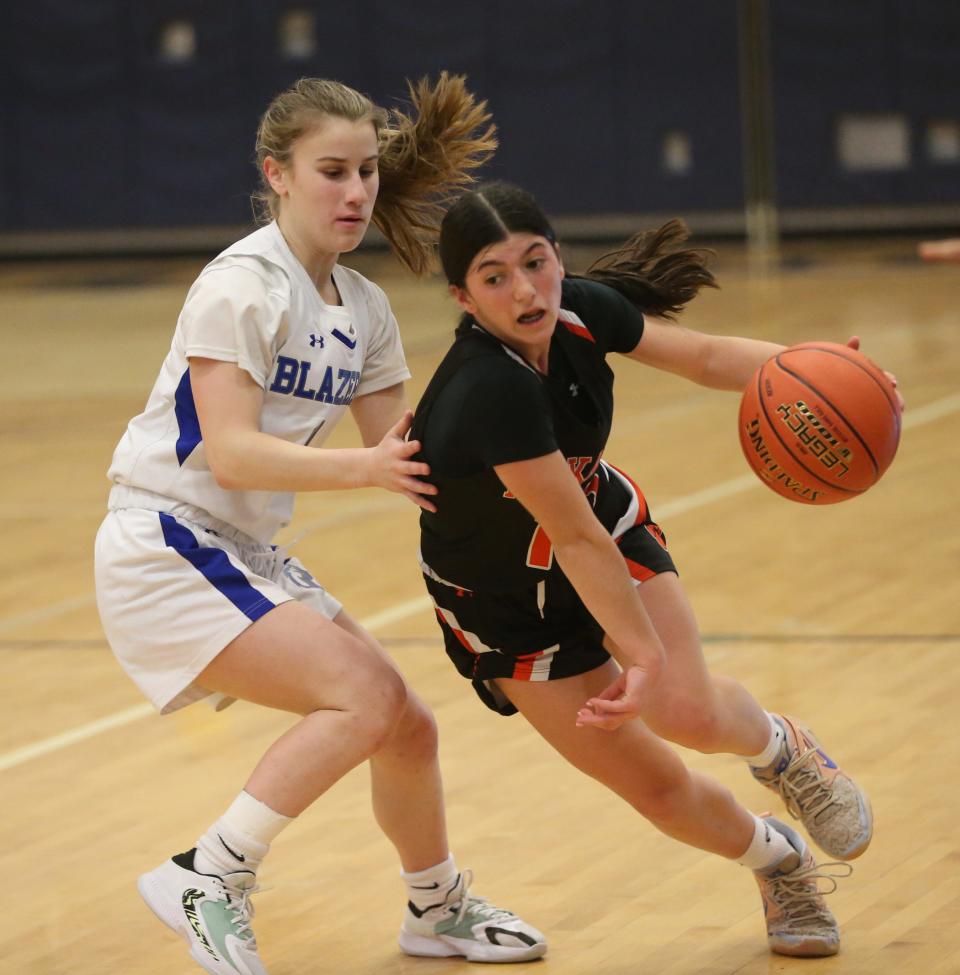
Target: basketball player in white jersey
275	342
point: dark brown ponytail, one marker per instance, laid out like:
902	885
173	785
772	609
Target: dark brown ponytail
653	272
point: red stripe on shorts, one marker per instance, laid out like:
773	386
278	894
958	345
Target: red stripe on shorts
457	633
524	665
643	512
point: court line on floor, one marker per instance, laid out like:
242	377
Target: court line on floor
924	414
46	612
932	411
45	746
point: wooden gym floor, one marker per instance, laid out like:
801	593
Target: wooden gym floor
847	615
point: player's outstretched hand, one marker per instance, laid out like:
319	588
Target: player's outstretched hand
854	343
392	468
618	703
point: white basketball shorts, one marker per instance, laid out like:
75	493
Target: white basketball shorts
173	592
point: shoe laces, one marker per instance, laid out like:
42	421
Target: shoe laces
240	907
479	906
799	894
803	789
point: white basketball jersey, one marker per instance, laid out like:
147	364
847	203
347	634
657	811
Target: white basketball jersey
255	305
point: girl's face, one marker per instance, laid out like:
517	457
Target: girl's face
328	190
512	288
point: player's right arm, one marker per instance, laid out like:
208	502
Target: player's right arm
243	458
593	564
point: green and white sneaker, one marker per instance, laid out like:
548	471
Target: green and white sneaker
462	924
211	913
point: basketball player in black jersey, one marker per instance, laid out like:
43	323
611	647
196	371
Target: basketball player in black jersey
539	576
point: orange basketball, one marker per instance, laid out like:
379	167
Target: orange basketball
819	423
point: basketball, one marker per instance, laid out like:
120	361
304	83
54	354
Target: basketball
819	423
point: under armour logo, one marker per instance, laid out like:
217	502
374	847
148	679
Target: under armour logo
316	340
574	389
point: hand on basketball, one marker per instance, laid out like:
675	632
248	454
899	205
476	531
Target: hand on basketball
391	467
618	703
854	343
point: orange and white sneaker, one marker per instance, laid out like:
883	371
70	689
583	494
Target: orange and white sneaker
833	808
799	923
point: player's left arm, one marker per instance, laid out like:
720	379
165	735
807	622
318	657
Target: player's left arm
717	361
375	413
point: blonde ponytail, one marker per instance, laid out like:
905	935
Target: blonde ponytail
427	158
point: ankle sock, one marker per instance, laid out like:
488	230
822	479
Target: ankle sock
773	748
240	838
768	847
430	887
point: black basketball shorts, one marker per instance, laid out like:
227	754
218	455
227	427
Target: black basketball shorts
544	632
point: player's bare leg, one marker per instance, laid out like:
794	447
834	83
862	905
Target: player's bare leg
297	660
405	780
442	917
641	768
693	707
713	713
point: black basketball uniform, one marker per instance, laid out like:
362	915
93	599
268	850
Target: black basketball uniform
504	605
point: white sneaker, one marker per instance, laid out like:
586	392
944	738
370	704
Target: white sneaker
462	924
211	913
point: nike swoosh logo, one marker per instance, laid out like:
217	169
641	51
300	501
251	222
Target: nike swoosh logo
420	911
433	886
492	933
232	852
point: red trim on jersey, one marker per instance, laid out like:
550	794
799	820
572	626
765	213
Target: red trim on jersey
657	533
639	572
523	668
581	331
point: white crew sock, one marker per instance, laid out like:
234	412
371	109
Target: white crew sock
240	838
767	848
427	888
774	745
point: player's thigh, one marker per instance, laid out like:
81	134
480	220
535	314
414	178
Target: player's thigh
685	674
629	760
296	659
349	625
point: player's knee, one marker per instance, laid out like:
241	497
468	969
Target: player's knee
416	732
700	727
667	799
691	722
379	705
369	694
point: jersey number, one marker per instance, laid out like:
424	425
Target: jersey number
540	553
